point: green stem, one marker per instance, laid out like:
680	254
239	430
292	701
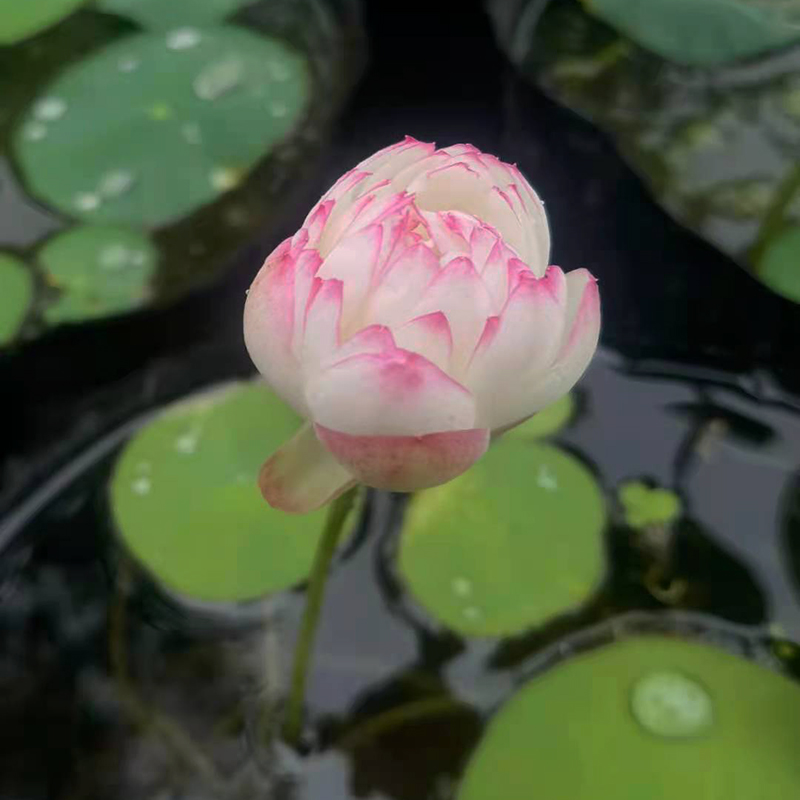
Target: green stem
334	525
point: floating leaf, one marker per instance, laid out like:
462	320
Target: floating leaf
644	506
779	266
698	32
172	13
515	540
18	20
546	422
185	500
97	270
16	293
154	126
649	717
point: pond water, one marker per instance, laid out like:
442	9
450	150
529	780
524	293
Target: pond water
114	685
613	594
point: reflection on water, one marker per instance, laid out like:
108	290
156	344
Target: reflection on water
110	687
179	124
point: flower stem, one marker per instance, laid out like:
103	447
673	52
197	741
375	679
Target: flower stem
334	525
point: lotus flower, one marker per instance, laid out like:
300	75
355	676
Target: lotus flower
410	318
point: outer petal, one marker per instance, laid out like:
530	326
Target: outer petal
322	323
406	463
302	475
398	393
525	340
269	327
578	345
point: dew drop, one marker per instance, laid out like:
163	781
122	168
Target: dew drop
278	109
191	133
546	480
671	705
34	131
187	443
86	201
50	109
224	178
218	79
128	64
116	182
461	586
183	38
141	486
113	257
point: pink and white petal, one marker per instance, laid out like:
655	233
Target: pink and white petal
496	273
577	348
317	219
525	341
429	336
482	241
536	223
406	463
372	339
389	394
450	231
403	179
322	333
269	327
302	475
353	261
306	268
459	292
401	285
391	160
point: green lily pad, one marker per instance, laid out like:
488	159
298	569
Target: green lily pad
779	266
172	13
650	717
97	271
509	544
16	293
185	501
19	20
644	506
154	126
546	422
699	32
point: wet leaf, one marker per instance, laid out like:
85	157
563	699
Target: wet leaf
644	506
185	501
699	32
96	271
172	13
19	20
779	266
16	293
154	126
514	541
718	147
649	717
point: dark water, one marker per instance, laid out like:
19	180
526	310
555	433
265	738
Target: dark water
112	687
109	687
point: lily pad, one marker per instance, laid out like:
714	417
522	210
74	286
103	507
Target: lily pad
185	501
154	126
97	271
16	293
509	544
779	266
546	422
19	20
644	506
648	717
699	32
172	13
